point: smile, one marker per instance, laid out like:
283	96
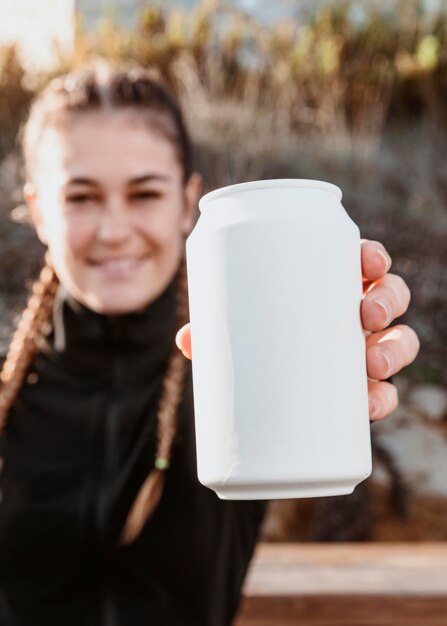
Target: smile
120	266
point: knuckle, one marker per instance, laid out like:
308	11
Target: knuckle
402	327
397	283
393	397
398	292
388	397
412	341
405	289
400	282
415	338
407	330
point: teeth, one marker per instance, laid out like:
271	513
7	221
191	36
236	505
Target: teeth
125	263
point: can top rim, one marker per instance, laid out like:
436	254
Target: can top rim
301	183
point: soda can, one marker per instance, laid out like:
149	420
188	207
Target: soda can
278	349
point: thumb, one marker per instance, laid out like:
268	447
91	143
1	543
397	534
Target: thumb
183	340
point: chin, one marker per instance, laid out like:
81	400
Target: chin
123	296
118	305
120	308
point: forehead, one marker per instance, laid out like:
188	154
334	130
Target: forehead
112	145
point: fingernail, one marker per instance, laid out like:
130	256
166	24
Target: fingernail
382	303
389	360
177	340
374	408
385	256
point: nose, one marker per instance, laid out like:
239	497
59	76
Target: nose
114	224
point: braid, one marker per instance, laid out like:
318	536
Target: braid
173	384
25	342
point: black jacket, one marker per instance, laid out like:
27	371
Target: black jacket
78	444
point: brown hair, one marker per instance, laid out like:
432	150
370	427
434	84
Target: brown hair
97	87
102	86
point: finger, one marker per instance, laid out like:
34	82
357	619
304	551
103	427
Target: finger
183	340
388	351
387	299
383	399
375	259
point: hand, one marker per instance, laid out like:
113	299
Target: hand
385	297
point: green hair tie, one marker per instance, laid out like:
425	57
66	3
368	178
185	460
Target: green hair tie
161	463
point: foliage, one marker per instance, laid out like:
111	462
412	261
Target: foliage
349	60
14	97
353	65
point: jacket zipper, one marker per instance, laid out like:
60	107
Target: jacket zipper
109	612
109	609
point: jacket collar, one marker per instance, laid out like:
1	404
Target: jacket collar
92	342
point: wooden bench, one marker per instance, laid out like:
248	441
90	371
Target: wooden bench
361	584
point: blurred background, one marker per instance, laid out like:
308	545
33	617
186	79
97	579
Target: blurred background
350	92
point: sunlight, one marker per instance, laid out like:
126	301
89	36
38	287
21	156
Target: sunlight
393	335
39	29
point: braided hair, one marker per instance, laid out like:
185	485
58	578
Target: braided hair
33	323
100	86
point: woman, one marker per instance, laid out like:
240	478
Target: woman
102	518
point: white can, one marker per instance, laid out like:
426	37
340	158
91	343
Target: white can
278	350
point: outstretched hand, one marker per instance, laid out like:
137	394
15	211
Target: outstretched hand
388	349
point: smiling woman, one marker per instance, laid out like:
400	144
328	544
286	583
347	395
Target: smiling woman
102	518
96	403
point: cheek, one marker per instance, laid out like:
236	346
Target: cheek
164	230
72	237
80	235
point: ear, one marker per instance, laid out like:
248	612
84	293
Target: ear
193	191
31	199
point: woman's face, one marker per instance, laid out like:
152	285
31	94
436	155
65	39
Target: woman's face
108	200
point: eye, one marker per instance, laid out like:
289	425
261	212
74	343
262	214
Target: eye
82	198
146	195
